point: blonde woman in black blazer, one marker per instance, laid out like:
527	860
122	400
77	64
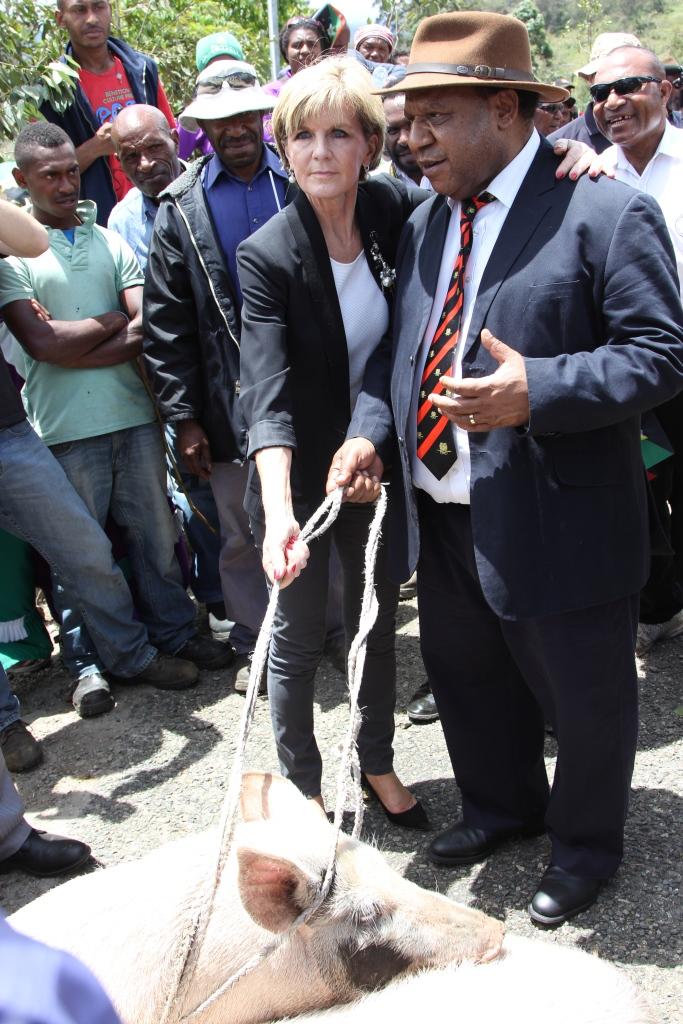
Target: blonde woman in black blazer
315	358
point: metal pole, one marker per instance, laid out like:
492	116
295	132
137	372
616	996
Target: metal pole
273	32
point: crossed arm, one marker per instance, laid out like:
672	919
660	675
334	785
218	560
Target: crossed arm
106	340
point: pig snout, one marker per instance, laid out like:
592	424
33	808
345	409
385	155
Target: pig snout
458	933
494	945
487	936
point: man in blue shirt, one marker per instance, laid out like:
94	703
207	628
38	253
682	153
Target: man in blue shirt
147	149
192	320
244	181
240	205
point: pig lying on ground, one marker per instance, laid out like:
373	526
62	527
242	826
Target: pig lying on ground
125	922
532	982
374	928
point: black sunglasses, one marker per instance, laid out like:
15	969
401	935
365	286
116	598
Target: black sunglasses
551	108
622	87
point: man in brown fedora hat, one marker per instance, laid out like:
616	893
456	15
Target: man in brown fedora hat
531	329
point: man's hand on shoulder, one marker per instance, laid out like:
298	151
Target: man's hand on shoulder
577	158
484	403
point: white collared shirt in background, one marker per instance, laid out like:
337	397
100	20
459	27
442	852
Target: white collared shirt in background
455	485
662	179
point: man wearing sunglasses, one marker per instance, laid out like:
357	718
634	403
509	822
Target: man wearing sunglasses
548	117
630	94
584	128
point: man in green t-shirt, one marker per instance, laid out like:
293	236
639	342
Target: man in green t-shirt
87	401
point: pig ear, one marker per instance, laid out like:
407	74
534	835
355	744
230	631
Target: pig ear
273	890
268	797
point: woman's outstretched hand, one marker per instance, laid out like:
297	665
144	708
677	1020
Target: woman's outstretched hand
357	468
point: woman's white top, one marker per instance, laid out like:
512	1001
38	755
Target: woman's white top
365	314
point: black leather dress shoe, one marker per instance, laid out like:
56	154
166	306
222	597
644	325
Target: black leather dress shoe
465	844
561	896
422	706
46	855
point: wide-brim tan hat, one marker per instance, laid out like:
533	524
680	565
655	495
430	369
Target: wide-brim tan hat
236	91
472	48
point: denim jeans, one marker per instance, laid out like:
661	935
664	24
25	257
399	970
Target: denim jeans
124	473
38	503
206	546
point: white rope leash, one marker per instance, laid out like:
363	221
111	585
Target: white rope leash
349	768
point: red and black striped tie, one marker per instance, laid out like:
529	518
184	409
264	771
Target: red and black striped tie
438	454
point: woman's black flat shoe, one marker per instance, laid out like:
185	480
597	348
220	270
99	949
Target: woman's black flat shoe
414	817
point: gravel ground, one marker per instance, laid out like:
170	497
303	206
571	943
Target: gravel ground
155	768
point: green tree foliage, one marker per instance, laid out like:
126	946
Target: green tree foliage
541	51
29	72
562	43
169	29
405	15
31	43
619	15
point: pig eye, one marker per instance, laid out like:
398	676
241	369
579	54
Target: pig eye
366	916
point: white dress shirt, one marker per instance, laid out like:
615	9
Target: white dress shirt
662	178
455	484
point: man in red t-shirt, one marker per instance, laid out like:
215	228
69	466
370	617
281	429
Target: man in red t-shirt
112	75
108	92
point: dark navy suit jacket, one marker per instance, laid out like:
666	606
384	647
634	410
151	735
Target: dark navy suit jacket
582	282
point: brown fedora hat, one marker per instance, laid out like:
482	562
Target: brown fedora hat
472	48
